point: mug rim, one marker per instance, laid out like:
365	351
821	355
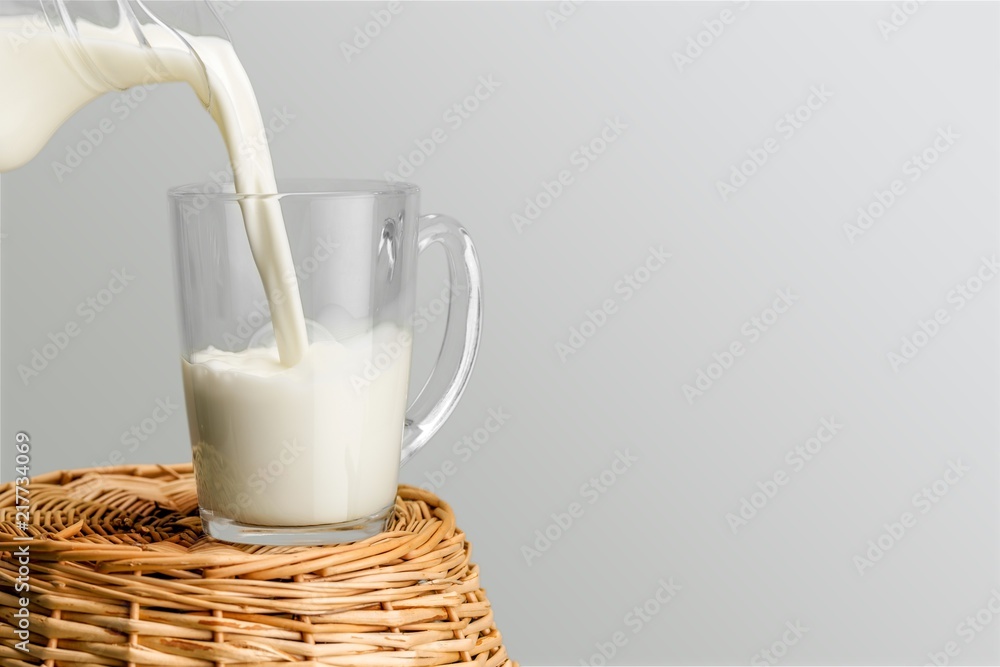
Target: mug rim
297	187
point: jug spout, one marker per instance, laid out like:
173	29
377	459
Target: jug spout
162	36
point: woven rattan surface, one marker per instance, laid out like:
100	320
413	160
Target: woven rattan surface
121	574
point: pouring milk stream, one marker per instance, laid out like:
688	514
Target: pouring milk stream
40	87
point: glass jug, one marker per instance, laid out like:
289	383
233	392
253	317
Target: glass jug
58	55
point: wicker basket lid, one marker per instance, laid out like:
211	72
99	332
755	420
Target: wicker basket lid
121	574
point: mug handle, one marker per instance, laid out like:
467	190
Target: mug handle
437	399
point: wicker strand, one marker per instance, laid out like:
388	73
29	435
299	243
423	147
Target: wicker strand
121	575
53	642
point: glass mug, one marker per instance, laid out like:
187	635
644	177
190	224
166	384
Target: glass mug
310	453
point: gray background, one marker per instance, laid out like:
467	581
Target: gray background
656	185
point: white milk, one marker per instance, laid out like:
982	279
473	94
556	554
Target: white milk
42	83
313	444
